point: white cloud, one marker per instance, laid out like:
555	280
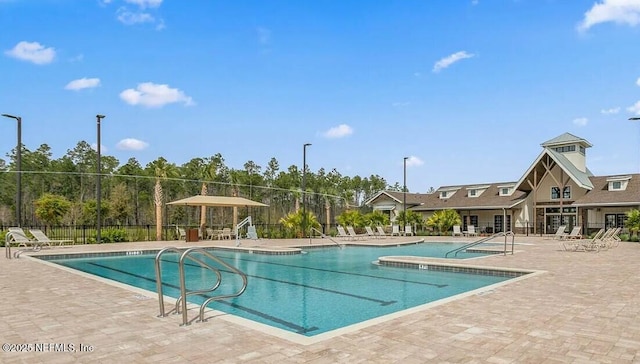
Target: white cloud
264	35
32	52
617	11
613	110
145	3
635	108
154	95
82	83
580	121
339	131
129	17
449	60
475	2
414	161
131	144
638	81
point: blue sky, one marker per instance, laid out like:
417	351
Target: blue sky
468	89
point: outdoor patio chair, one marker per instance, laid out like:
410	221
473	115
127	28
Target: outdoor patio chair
592	244
342	233
456	231
40	236
225	234
353	235
575	233
471	231
395	230
370	232
181	233
560	234
380	231
18	237
407	230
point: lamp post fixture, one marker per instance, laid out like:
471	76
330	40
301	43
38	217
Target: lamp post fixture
404	192
304	189
18	169
98	182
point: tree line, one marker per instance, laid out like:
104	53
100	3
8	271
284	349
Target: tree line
133	194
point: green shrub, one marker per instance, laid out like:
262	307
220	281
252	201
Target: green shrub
113	236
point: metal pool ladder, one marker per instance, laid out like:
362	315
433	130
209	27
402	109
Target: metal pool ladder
483	240
181	302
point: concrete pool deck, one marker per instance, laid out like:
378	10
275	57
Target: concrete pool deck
585	308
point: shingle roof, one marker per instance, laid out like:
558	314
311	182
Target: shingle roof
489	199
601	196
413	199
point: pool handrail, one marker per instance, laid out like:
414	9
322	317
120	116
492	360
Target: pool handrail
322	235
483	240
181	302
159	280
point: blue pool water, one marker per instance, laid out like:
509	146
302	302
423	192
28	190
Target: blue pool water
312	293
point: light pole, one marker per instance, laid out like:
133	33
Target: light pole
98	182
304	189
18	169
404	193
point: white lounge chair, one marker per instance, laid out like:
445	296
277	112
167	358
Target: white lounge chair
407	230
560	234
353	235
592	244
342	233
456	231
395	230
471	231
380	231
18	237
575	233
370	232
40	236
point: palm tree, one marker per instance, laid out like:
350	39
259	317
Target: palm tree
161	170
208	172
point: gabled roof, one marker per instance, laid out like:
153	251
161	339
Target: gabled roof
398	197
601	196
580	178
489	199
566	138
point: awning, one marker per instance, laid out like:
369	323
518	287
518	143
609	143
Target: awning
224	201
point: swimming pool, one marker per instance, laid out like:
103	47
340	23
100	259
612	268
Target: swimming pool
308	294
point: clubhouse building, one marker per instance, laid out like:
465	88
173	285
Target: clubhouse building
557	189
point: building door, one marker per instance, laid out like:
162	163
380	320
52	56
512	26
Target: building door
497	223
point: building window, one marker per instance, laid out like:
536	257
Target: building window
616	185
443	194
505	192
555	193
472	193
582	150
615	220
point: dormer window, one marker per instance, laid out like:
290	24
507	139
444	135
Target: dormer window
448	192
618	183
472	193
506	190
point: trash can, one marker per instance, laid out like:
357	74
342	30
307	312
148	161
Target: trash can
192	235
